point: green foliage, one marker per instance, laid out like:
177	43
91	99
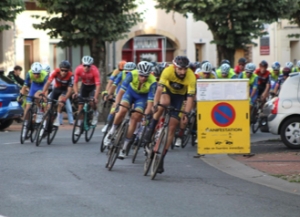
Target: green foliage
295	17
9	9
234	23
80	22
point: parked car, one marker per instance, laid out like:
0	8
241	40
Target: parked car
281	115
9	107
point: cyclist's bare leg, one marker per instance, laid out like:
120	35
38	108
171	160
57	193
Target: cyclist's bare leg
172	128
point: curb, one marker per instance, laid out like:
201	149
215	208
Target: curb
235	168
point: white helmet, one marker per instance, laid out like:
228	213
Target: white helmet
206	67
250	67
129	66
87	60
144	68
276	66
46	67
225	68
289	65
36	68
298	64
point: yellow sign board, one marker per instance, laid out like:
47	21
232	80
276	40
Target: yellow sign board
223	125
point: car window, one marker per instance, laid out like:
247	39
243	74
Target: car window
6	79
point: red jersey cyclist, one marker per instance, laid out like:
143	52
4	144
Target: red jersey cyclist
90	87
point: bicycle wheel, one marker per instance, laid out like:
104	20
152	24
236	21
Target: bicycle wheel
90	131
157	158
102	146
254	119
114	154
41	132
137	147
52	130
188	132
34	126
75	138
26	127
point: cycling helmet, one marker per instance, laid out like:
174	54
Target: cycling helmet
181	61
87	60
129	66
36	68
159	68
144	68
276	66
225	61
121	64
242	60
225	68
286	71
197	65
46	67
206	67
264	64
65	64
250	67
298	64
289	65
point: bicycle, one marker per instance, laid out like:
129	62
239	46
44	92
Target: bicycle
110	123
255	116
86	125
30	126
154	156
46	127
139	143
120	134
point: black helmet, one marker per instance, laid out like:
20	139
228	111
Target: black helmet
225	61
65	64
264	64
242	60
181	61
159	68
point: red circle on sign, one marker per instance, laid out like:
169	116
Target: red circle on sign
224	111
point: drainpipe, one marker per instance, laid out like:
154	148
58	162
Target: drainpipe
114	55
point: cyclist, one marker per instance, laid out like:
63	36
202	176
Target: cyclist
222	62
63	85
253	82
177	83
47	68
286	72
36	78
225	73
241	66
115	87
275	73
263	80
138	88
15	76
90	87
207	72
291	66
159	69
113	77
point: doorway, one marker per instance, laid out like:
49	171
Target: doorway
28	55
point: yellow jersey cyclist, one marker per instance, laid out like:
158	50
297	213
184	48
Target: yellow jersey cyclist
115	87
36	79
253	82
138	88
225	73
275	73
177	83
207	71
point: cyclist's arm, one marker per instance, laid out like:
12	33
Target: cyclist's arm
76	78
254	87
158	93
266	89
111	80
70	87
48	82
116	82
276	88
26	84
150	99
189	103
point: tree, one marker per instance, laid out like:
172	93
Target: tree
233	23
9	9
295	18
88	22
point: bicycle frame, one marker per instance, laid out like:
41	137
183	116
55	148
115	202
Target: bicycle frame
86	126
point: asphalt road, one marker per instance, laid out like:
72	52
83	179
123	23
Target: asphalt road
70	180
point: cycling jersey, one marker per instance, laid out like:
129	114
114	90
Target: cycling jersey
120	78
238	70
231	74
176	85
273	76
263	79
92	77
114	74
295	69
280	82
211	76
36	84
61	82
252	85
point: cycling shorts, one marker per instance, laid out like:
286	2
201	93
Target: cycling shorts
57	92
138	99
176	102
86	91
33	89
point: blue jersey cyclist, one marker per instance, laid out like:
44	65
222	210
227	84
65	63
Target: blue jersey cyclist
286	72
275	73
36	78
253	82
138	88
115	87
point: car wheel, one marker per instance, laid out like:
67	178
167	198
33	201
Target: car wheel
5	123
290	133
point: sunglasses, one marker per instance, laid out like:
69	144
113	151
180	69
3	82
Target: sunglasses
64	70
143	76
249	72
36	73
87	66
